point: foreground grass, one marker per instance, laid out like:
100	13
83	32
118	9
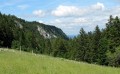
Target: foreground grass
15	62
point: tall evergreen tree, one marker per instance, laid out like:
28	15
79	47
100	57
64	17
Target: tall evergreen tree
82	40
96	43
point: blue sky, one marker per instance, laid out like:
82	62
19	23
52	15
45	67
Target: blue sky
69	15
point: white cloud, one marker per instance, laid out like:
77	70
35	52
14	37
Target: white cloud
39	13
65	10
98	6
40	21
23	7
71	11
81	20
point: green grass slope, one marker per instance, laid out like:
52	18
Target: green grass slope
16	62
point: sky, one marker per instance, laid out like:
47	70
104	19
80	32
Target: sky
69	15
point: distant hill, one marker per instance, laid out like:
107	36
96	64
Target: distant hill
47	31
16	32
16	62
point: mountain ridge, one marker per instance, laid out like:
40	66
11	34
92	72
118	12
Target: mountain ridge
48	28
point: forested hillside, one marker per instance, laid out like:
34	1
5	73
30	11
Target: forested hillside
20	34
99	46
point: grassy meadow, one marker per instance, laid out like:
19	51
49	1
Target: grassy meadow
16	62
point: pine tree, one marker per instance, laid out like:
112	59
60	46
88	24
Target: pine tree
82	49
96	44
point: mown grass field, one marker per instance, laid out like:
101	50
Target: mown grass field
16	62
